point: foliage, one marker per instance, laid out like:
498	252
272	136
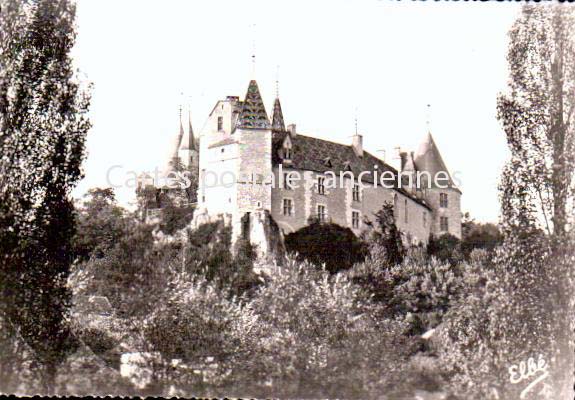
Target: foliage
43	126
507	315
100	224
445	247
318	338
326	243
133	275
537	117
421	289
208	253
385	236
476	235
174	218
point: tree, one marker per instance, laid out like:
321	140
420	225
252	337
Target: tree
445	247
326	243
43	126
100	224
537	115
477	235
386	237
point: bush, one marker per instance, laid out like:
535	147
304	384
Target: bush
446	248
318	337
326	243
386	237
208	254
174	218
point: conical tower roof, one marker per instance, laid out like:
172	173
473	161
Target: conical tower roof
253	113
427	158
173	157
189	141
278	117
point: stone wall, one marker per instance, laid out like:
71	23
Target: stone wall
340	205
452	212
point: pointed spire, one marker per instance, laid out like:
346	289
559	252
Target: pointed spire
253	113
278	117
189	142
174	158
427	158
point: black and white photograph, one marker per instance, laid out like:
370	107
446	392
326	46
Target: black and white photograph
281	199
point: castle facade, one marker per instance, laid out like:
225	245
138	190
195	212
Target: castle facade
252	168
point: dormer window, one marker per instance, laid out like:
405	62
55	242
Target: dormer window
287	154
220	124
327	162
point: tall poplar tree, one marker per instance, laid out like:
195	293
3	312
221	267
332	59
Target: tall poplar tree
537	114
43	126
537	188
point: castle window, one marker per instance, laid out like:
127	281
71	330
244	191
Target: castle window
355	219
321	213
406	215
220	123
287	207
425	219
443	224
355	191
321	185
287	181
443	200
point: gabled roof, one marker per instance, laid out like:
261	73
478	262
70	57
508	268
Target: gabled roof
427	158
278	117
309	153
253	113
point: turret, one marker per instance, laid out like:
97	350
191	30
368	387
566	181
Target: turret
441	193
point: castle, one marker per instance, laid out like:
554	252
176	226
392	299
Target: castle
251	168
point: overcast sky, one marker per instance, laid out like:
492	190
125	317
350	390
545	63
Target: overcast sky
386	59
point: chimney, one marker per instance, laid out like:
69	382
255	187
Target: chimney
403	158
357	144
291	129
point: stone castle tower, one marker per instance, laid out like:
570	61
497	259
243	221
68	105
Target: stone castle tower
436	186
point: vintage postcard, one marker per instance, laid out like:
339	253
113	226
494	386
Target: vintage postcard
294	200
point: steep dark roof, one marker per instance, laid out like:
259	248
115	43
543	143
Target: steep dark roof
309	153
253	113
189	141
277	116
428	159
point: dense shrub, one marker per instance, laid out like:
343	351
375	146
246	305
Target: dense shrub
208	253
474	235
385	236
318	337
420	289
326	243
174	218
446	248
133	275
100	224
